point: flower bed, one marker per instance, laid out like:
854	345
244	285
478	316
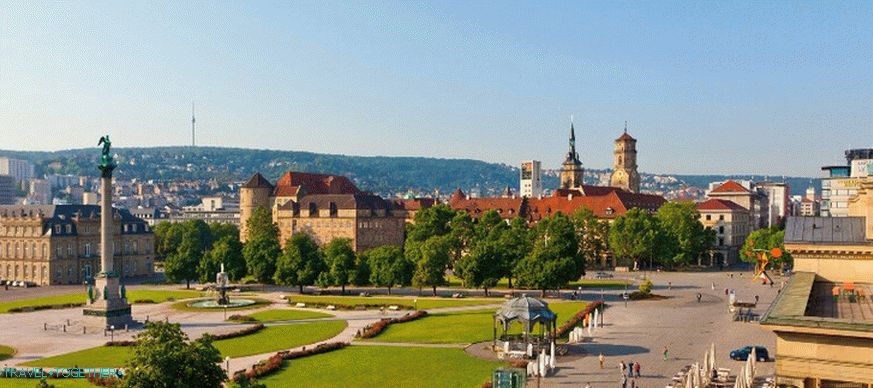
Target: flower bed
272	364
121	343
239	333
374	329
578	317
241	318
44	307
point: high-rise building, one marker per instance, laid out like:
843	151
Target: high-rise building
7	189
531	179
841	182
21	170
624	165
779	203
571	170
40	192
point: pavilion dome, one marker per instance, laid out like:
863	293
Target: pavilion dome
526	310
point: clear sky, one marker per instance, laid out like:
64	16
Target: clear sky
707	87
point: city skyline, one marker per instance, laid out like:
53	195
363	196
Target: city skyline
696	83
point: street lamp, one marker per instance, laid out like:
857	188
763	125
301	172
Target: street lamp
112	333
415	304
225	312
227	365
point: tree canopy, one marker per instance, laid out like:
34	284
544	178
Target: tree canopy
555	259
688	239
163	357
262	247
340	263
300	263
388	267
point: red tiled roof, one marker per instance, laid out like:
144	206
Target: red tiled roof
291	183
719	204
730	187
257	181
414	203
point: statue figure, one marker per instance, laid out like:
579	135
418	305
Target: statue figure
107	163
105	293
90	294
221	285
123	292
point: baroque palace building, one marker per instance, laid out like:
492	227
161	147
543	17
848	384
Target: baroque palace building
60	244
328	207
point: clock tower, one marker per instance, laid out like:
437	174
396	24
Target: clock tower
624	166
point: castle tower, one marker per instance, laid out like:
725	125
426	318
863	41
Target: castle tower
253	194
624	166
571	169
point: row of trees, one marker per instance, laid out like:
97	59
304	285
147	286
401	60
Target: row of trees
479	251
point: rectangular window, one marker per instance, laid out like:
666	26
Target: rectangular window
708	217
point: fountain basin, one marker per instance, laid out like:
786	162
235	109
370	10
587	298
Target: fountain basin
213	304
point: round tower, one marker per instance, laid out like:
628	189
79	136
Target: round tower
253	194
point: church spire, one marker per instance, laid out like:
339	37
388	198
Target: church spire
572	138
625	126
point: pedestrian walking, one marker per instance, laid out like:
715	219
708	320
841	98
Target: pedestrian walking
623	381
713	285
601	358
633	383
726	292
665	353
630	369
699	295
756	299
637	368
669	285
621	366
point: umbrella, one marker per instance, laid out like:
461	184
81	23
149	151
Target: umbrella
740	382
705	368
754	357
596	317
688	382
530	350
552	356
542	363
712	357
506	347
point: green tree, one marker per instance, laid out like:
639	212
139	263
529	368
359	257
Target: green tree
300	263
555	259
168	236
433	259
592	234
518	243
764	240
341	264
262	246
680	222
637	235
219	231
483	266
183	262
430	222
361	274
388	267
462	235
227	251
163	357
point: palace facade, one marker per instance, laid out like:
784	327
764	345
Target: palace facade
328	207
60	244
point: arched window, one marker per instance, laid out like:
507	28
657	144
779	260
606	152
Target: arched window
33	249
17	251
44	250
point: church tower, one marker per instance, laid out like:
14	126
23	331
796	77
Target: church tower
571	169
624	166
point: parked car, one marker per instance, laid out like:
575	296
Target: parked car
603	275
742	354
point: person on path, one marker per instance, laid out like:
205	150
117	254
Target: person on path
637	368
601	358
633	383
623	381
699	295
630	369
665	353
713	285
669	285
756	299
726	292
621	366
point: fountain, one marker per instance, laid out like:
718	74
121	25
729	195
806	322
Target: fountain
223	301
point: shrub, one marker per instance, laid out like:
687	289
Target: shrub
578	317
144	301
376	328
239	333
270	365
518	364
121	343
646	287
241	318
25	309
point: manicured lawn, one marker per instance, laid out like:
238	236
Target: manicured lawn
59	383
385	366
287	315
424	303
270	339
157	296
183	306
6	352
605	284
274	338
461	327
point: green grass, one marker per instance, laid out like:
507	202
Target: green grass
462	326
384	366
274	338
270	339
157	296
424	303
287	315
183	306
606	284
6	352
30	383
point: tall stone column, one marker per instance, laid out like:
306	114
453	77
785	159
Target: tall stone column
107	304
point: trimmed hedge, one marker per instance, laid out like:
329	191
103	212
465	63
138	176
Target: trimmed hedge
242	318
274	363
578	317
369	306
375	329
26	309
120	343
239	333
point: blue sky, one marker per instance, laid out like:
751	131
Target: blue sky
732	87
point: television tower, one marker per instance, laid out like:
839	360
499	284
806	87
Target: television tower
192	125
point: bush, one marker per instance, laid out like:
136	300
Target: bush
270	365
121	343
376	328
646	287
144	301
239	333
578	317
242	318
25	309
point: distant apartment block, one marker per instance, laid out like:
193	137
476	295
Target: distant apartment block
841	182
21	170
531	179
7	190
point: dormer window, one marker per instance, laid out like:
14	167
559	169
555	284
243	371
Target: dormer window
57	229
610	211
313	209
69	228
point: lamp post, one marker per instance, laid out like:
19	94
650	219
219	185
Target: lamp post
225	312
625	296
227	365
112	333
415	304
